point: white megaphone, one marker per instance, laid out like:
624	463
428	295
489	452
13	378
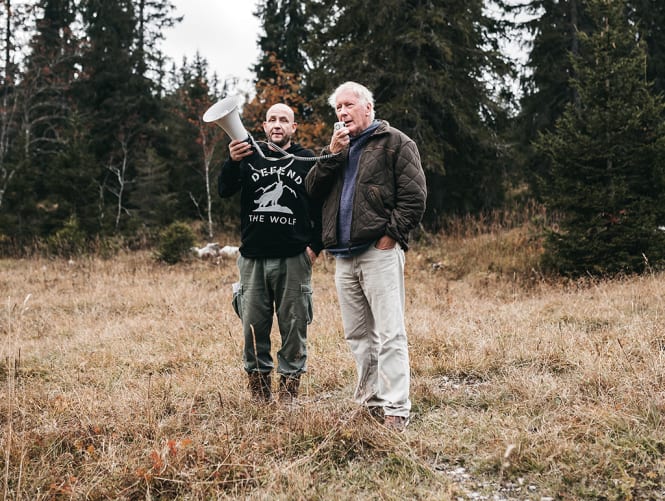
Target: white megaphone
225	114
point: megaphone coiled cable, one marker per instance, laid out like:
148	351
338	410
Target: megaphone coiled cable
286	154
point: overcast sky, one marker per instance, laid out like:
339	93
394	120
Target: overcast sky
225	32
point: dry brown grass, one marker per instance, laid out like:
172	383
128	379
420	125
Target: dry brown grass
121	379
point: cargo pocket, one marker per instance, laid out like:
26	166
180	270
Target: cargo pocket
306	291
237	299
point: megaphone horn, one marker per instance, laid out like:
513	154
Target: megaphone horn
225	114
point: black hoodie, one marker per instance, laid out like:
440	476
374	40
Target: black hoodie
278	219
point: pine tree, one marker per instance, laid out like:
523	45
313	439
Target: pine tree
429	65
285	25
120	98
50	69
152	18
152	154
555	26
608	157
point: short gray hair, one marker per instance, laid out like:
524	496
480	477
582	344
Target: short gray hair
360	91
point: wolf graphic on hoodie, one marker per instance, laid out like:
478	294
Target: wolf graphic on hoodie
278	219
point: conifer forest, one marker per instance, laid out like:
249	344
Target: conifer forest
101	135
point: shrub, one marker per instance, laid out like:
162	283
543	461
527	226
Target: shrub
175	243
68	241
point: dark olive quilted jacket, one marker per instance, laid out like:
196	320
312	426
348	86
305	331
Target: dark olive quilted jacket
390	189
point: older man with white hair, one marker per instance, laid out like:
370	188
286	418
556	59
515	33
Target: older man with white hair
373	193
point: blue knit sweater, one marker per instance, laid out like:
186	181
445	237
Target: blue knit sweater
345	216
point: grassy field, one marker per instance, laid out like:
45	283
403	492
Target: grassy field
122	379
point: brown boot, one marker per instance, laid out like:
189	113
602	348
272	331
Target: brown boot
260	386
288	388
396	423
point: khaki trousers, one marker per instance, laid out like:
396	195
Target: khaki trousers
370	287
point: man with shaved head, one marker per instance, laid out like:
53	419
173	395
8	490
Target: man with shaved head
280	240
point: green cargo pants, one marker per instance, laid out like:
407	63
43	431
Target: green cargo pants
268	286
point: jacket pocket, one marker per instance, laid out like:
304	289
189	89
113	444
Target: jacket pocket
373	195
